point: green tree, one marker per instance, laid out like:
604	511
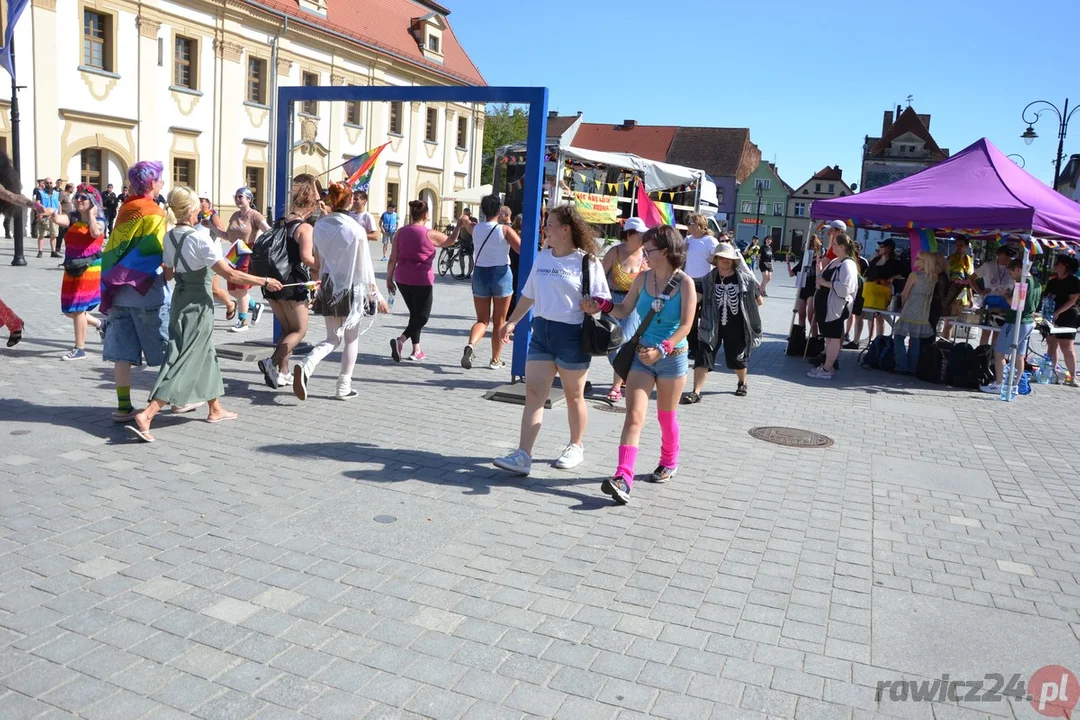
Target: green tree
503	125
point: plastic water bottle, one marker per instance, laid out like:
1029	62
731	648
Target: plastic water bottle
390	300
1005	383
1048	308
1046	371
1025	384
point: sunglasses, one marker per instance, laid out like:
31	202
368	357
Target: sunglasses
82	197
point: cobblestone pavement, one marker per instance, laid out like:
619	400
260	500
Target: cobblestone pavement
248	569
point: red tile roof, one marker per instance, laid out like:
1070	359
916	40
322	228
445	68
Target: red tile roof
908	122
384	25
648	141
829	173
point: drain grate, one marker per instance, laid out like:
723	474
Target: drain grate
609	408
791	437
385	519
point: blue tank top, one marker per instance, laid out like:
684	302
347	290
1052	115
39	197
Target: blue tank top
666	322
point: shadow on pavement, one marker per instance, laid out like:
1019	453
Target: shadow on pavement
475	473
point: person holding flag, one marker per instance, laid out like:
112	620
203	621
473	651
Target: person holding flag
245	226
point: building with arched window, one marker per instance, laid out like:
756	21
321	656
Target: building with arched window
192	84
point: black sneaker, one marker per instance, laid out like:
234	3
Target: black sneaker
851	345
618	489
269	373
467	357
662	474
741	390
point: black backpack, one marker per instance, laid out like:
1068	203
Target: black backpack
270	254
796	342
969	367
933	361
879	355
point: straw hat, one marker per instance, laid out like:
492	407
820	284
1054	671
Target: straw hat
725	250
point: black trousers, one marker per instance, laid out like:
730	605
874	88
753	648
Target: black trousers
418	299
110	218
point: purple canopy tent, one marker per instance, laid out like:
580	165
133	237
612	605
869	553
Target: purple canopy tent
977	192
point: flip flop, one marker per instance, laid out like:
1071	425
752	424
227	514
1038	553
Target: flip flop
224	418
231	314
190	407
143	435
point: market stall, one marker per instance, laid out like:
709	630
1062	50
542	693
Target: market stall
978	193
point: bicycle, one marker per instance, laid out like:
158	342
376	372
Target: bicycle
456	259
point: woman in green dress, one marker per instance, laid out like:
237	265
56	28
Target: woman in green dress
190	373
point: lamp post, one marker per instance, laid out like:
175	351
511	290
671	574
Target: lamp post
757	224
17	229
1063	117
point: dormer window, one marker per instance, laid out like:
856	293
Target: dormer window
313	6
427	31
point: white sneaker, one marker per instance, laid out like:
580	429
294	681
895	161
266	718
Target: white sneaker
517	462
572	456
240	326
496	364
820	373
284	379
992	388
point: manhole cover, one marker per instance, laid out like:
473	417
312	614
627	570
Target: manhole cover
608	407
20	432
385	519
791	437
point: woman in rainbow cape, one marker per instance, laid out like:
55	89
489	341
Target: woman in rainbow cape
134	294
81	290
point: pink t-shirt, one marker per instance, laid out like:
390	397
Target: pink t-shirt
414	257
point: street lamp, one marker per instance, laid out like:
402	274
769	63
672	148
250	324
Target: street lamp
1018	158
1063	116
760	190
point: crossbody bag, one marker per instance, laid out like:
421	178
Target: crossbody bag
625	357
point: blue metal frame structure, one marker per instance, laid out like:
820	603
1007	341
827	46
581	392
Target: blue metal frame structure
535	98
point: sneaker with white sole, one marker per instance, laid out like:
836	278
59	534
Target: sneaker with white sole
240	326
467	357
284	379
101	328
572	456
269	372
820	373
300	381
992	388
496	364
256	313
617	488
663	474
75	354
517	462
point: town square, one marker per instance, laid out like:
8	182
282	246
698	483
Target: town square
396	374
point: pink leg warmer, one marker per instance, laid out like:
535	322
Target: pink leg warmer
669	438
627	461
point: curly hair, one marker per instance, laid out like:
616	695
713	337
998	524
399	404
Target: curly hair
306	194
581	232
339	197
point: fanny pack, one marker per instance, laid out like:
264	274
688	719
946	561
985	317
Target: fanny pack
77	266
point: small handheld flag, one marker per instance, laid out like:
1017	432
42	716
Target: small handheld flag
360	168
238	249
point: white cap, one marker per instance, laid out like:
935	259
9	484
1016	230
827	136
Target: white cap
837	225
635	224
205	195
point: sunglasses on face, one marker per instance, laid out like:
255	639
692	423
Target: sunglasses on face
82	197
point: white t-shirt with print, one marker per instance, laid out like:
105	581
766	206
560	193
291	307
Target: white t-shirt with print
490	248
698	252
554	286
198	249
366	220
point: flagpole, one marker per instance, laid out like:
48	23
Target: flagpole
18	258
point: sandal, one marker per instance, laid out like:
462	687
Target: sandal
690	398
741	390
143	435
615	395
222	418
231	314
14	338
190	407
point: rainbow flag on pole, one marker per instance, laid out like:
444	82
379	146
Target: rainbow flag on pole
360	168
921	240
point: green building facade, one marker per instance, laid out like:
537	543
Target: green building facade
761	206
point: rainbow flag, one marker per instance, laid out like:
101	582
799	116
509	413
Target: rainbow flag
667	212
237	249
921	240
133	254
647	210
360	168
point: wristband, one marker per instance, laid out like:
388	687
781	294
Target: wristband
665	348
606	305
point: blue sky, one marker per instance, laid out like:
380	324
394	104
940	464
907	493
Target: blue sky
810	79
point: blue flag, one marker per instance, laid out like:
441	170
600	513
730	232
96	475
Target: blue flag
13	9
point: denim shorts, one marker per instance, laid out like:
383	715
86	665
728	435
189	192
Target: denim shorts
559	343
1003	344
135	334
672	366
492	282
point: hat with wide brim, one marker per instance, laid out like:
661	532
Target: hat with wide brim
725	250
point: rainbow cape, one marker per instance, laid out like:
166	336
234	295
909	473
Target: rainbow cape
360	168
237	249
133	254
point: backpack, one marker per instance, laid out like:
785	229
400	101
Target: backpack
879	355
270	253
969	367
796	342
933	361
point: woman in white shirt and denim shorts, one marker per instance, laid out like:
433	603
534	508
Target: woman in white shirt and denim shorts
492	281
555	294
